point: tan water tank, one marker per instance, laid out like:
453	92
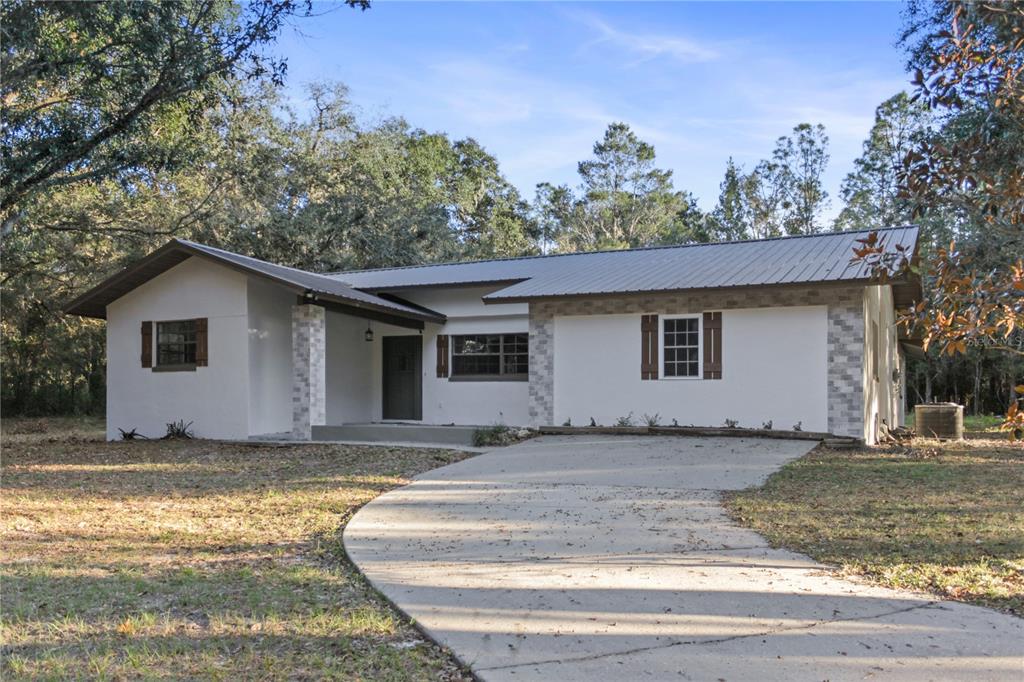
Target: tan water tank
939	420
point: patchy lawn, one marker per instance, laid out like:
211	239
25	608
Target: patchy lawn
195	559
947	518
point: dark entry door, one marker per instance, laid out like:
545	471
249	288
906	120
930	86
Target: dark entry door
403	377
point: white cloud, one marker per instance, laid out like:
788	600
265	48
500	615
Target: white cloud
649	45
489	95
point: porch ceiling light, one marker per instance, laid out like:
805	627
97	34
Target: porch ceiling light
368	334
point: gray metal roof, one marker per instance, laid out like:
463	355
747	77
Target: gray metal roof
93	303
783	260
308	281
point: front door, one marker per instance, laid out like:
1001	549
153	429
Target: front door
403	378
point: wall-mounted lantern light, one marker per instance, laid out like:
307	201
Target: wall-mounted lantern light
368	335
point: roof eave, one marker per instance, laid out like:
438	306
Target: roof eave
441	285
424	314
492	300
81	304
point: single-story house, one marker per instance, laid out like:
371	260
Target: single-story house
787	330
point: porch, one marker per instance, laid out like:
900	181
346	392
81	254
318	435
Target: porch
362	377
352	368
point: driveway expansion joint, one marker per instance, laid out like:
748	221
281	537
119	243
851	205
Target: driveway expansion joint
720	640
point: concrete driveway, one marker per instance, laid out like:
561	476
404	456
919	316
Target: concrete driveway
600	558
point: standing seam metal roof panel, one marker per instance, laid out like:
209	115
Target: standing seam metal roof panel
783	260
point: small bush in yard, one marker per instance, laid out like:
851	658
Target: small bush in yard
625	421
179	429
499	435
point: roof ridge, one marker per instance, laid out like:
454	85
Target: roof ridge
660	247
189	242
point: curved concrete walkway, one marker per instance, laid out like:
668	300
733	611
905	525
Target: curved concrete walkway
600	558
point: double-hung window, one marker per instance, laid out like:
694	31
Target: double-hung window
681	347
490	356
176	343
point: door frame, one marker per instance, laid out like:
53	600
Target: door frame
417	377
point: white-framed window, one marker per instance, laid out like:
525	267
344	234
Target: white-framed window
680	340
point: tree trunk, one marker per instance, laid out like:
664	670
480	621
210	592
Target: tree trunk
976	401
928	381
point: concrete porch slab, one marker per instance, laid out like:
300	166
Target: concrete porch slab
397	433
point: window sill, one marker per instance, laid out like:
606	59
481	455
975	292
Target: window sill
490	377
174	368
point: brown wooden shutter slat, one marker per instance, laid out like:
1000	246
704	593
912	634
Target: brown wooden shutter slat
442	356
147	344
713	345
202	345
648	347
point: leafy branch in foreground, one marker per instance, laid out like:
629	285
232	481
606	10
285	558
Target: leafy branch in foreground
970	74
968	306
90	90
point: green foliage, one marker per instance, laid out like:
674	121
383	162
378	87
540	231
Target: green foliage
491	435
92	90
871	191
624	200
320	191
780	195
950	159
730	219
803	158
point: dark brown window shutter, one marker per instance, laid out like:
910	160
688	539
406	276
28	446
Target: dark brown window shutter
202	345
648	347
442	355
713	345
147	344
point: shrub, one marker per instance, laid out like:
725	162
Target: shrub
179	429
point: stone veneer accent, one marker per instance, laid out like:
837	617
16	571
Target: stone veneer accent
542	367
845	339
309	369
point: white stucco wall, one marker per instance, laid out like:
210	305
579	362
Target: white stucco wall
881	393
774	367
351	382
355	367
270	357
214	398
470	402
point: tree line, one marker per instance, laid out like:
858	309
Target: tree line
191	136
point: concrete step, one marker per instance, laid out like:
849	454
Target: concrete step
397	433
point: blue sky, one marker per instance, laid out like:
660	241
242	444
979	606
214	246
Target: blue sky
536	84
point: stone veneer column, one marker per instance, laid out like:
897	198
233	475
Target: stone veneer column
309	369
846	364
542	366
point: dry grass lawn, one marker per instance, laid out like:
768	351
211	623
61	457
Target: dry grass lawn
946	518
170	559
